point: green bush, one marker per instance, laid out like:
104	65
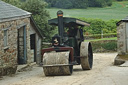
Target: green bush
109	45
95	46
104	46
97	26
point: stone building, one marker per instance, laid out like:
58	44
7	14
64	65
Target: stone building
122	41
20	39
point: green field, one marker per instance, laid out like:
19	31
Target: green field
118	10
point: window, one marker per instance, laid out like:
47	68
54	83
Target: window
5	38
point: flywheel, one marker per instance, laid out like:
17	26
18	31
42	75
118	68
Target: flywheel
86	55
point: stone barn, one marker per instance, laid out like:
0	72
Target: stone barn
122	41
20	39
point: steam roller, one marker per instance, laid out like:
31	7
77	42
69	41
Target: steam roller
68	47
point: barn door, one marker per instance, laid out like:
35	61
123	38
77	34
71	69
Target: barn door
22	45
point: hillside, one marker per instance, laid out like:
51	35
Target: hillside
117	11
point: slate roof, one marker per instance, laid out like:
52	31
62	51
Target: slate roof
35	27
123	20
8	11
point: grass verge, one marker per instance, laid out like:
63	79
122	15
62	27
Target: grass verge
114	38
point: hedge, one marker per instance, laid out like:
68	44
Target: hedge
97	26
104	46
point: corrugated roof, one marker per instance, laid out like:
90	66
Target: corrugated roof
9	11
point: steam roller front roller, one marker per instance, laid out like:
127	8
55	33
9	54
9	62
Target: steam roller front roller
86	56
57	63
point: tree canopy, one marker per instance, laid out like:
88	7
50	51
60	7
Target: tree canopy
40	15
13	2
67	4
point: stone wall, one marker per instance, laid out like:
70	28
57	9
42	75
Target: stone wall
38	44
121	38
8	54
122	43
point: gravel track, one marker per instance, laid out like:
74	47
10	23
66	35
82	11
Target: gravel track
103	73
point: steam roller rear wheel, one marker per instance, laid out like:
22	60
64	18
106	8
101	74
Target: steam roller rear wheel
57	63
86	55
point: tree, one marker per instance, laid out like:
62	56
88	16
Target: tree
66	4
40	15
51	3
99	3
13	2
80	3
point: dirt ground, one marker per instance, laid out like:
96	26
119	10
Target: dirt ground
103	73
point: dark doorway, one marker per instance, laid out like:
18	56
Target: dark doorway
33	44
21	46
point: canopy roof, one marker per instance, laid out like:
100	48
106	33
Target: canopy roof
69	22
